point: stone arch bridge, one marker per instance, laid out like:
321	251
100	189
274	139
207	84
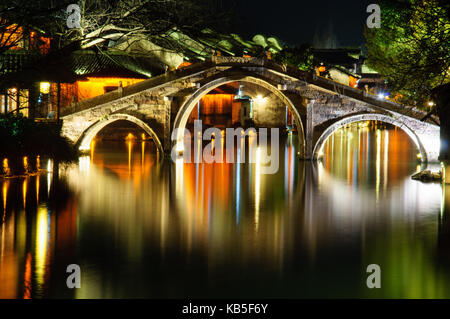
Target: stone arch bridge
319	106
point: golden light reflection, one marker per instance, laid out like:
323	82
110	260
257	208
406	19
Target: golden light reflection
92	149
378	164
24	192
199	153
164	217
5	197
222	146
130	151
25	163
9	272
37	188
384	151
84	164
179	178
49	173
2	249
289	166
142	154
42	240
27	278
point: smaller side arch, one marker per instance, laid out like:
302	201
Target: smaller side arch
86	138
369	117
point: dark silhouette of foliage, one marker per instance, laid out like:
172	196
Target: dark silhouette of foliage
22	137
300	57
411	49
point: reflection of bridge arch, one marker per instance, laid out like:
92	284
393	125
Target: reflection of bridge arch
85	140
187	107
369	117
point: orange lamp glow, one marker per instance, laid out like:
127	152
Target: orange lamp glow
45	87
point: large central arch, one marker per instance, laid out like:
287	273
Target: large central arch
368	117
187	107
85	140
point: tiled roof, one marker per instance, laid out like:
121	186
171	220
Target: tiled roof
89	63
27	67
15	60
335	56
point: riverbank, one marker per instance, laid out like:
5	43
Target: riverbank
24	142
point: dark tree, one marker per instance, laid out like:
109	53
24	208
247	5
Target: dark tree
411	50
300	57
19	17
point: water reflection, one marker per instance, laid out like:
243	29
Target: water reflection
25	238
141	227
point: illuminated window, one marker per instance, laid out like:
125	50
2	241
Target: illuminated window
11	100
45	88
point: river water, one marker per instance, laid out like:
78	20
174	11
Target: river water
139	226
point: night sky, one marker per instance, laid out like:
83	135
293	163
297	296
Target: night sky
296	21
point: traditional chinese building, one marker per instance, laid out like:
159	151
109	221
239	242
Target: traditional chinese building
347	66
45	85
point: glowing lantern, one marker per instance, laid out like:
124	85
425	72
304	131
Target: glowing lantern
45	88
